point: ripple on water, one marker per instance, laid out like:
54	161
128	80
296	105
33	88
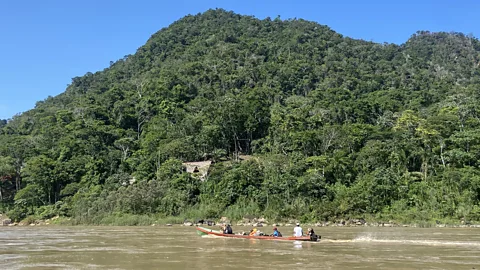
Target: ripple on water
180	248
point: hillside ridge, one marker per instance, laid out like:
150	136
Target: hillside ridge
339	127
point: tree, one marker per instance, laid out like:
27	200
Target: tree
7	172
40	171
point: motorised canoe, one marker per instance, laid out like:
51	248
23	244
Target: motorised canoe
206	231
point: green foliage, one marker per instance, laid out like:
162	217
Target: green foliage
332	128
30	196
17	213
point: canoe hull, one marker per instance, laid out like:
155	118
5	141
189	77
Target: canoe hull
206	231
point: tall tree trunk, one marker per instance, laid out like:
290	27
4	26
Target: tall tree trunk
18	182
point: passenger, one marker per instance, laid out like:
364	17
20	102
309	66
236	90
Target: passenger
298	231
228	229
253	232
276	233
312	234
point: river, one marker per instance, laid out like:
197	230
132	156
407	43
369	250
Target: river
181	248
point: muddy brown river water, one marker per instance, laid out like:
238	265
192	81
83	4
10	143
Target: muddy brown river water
181	248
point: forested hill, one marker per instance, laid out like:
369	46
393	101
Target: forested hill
337	127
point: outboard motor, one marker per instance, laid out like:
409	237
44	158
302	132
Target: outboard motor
315	237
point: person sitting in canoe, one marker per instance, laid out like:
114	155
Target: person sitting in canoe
312	234
254	232
298	231
227	229
276	233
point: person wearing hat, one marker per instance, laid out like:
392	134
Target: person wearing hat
276	233
298	231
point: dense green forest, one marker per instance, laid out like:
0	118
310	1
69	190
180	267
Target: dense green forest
334	127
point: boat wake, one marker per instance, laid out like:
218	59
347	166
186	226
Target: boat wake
426	242
326	240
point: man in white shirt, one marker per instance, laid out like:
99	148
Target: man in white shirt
297	231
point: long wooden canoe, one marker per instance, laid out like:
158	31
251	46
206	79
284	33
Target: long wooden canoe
206	231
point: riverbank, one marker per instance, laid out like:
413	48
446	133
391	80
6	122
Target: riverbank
145	220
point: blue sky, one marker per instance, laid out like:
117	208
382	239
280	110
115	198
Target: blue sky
43	44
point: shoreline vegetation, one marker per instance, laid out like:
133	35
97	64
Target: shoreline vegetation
145	220
224	115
